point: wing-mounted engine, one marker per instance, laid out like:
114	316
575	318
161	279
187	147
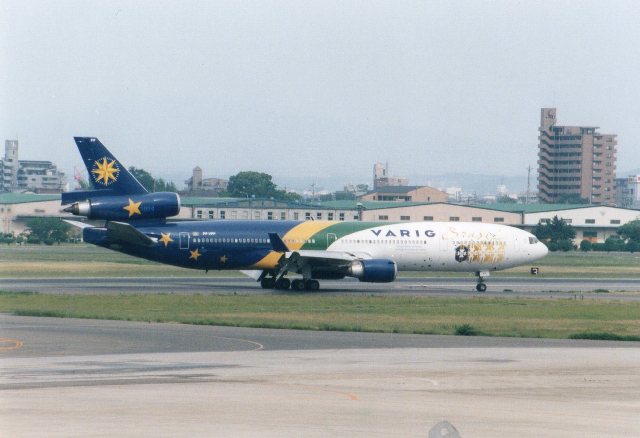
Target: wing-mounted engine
374	270
159	205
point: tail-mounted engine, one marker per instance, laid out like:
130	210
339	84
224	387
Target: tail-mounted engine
128	207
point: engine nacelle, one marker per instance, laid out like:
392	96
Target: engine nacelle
374	271
148	206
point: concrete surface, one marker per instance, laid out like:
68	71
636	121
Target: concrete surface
494	388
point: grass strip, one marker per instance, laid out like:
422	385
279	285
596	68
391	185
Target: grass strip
514	317
83	260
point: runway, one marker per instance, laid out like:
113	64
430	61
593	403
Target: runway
69	377
624	289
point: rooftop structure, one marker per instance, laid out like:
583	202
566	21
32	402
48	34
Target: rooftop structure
198	185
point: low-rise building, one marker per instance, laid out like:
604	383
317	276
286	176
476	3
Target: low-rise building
406	194
16	208
28	175
260	209
592	222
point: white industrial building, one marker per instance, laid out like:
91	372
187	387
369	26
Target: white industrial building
592	222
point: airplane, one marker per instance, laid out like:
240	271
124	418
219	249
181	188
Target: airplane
137	223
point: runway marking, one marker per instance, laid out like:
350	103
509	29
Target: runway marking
16	344
258	345
348	395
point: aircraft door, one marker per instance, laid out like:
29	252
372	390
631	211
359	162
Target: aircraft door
184	240
331	237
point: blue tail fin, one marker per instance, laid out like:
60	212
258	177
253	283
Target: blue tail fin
104	170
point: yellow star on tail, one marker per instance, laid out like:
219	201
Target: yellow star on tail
105	173
166	238
133	208
194	255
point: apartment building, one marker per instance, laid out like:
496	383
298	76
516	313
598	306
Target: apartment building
575	162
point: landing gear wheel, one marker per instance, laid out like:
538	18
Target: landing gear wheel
297	284
268	283
283	284
481	287
312	285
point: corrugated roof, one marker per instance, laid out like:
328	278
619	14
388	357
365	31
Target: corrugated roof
351	204
541	208
242	202
21	198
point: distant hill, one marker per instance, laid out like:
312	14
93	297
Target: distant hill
480	184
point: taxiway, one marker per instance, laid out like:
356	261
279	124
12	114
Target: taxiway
625	289
66	377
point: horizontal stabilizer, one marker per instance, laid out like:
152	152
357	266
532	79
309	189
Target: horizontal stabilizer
83	195
81	225
126	233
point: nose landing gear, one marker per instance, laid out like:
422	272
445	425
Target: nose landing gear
481	286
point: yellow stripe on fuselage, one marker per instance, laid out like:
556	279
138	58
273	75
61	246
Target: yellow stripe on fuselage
295	238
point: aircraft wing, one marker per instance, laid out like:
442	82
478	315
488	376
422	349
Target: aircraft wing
314	260
331	257
127	233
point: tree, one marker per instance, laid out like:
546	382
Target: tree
632	246
250	184
630	231
150	183
586	245
47	230
84	184
7	238
504	199
554	231
613	243
565	245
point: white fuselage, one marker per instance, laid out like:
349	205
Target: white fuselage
445	246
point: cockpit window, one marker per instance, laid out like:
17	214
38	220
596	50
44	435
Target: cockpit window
533	240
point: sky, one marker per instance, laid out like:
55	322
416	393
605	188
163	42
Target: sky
316	89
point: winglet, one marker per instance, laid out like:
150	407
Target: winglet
277	244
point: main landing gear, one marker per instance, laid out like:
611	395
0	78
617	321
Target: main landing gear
284	284
481	286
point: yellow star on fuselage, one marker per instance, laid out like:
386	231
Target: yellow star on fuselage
105	171
224	259
133	208
166	238
194	255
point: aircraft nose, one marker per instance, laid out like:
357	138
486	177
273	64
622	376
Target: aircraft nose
543	249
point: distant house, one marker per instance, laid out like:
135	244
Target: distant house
406	194
196	185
